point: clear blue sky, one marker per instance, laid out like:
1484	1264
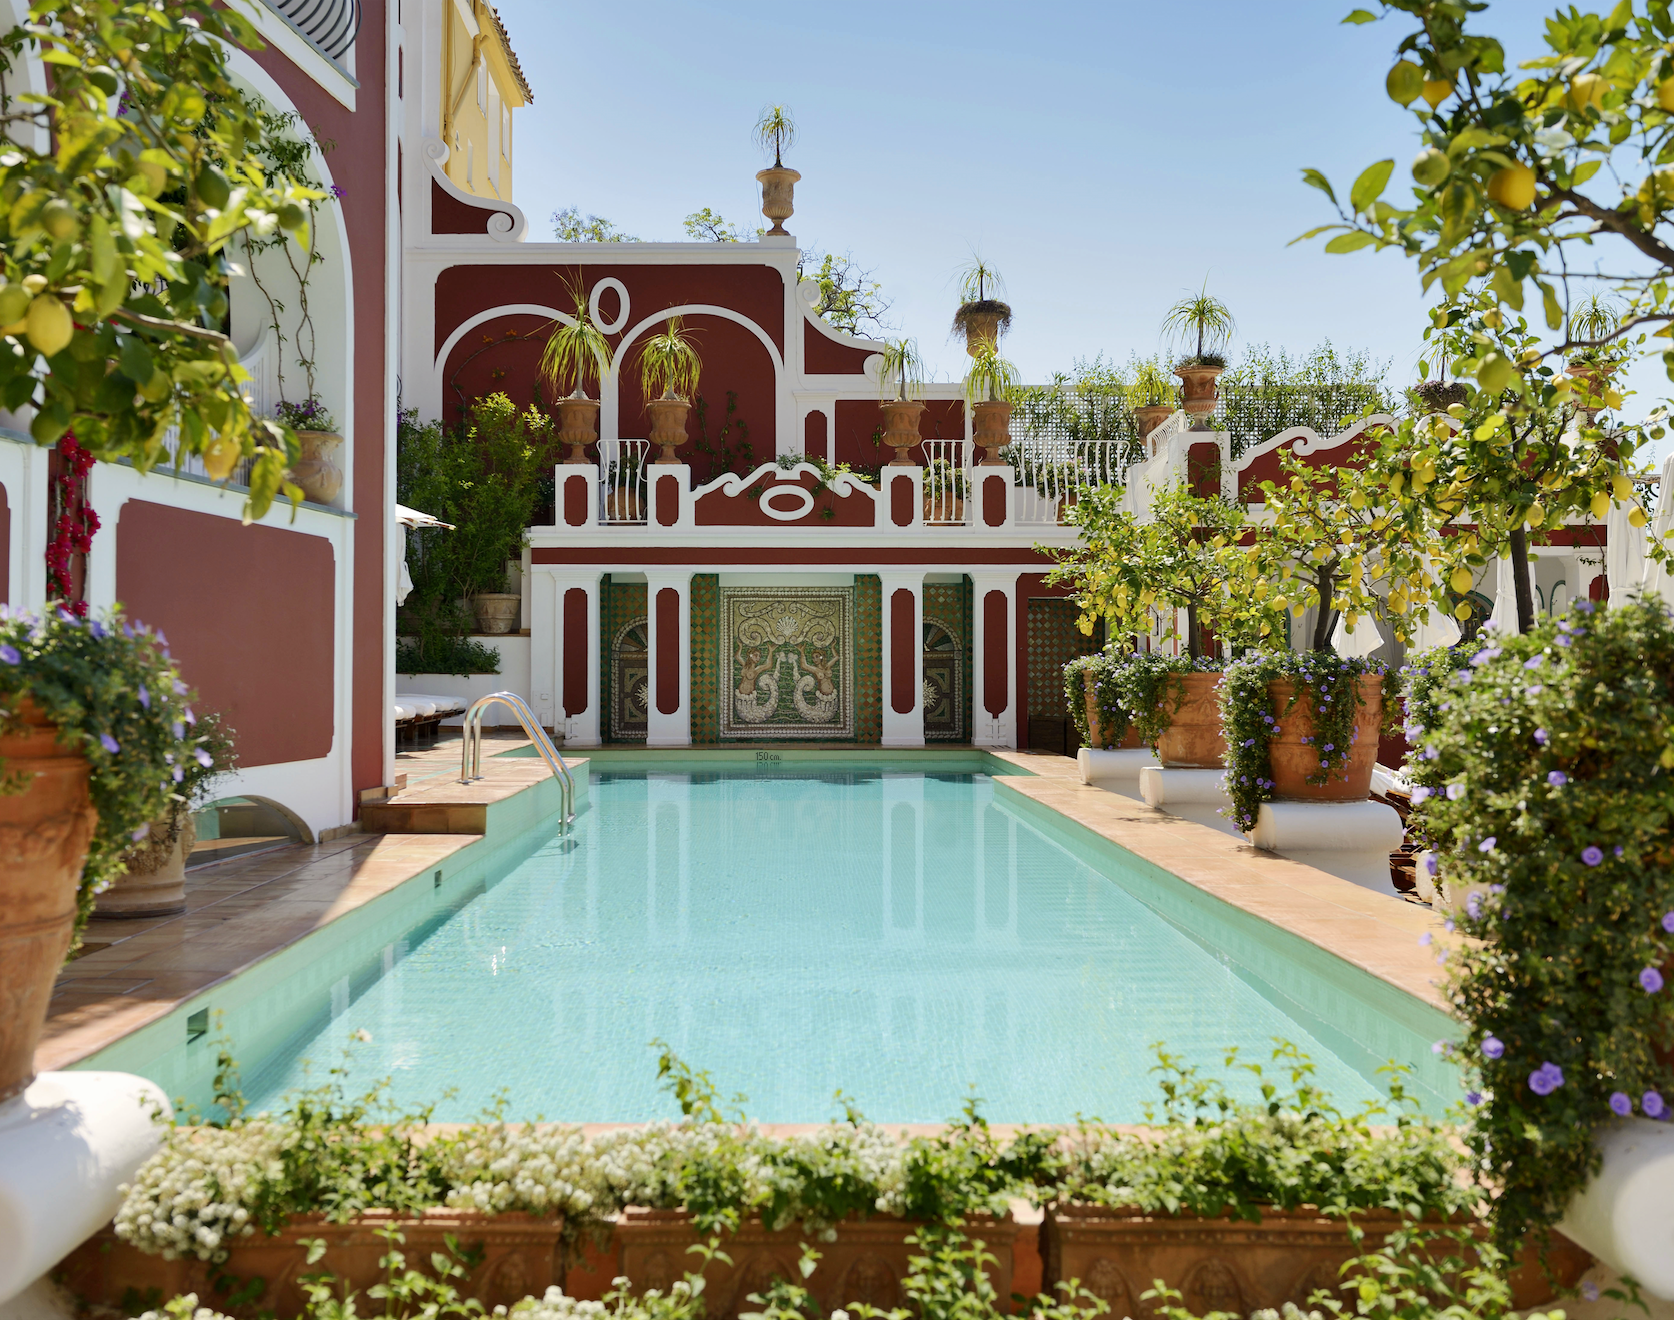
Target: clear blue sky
1106	157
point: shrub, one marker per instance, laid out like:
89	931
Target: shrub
1103	667
1550	803
442	653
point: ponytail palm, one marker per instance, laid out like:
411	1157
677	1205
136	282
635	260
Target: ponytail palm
576	351
669	362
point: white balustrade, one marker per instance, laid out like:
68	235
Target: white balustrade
1051	470
623	487
947	481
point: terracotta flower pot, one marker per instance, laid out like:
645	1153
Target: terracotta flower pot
1197	388
1095	722
578	425
316	471
901	429
522	1255
1193	739
945	508
778	191
1151	416
1293	760
668	425
991	431
981	327
155	882
495	611
44	833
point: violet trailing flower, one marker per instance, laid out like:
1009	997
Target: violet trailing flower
1651	980
1652	1104
1546	1079
1620	1103
1492	1047
1592	854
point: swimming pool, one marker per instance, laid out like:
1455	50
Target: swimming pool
903	934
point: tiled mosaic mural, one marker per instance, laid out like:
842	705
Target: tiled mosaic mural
624	666
947	662
787	663
706	660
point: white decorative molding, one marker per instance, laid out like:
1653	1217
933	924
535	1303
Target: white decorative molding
301	52
621	319
731	485
502	221
494	313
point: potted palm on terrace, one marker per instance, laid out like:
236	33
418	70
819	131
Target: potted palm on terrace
989	387
1152	396
94	724
669	368
576	352
983	315
775	132
901	397
1591	366
1202	325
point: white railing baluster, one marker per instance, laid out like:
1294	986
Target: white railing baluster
947	482
623	493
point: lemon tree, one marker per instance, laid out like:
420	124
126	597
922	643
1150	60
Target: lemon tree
121	188
1541	180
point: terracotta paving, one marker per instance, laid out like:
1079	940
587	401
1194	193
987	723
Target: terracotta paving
247	908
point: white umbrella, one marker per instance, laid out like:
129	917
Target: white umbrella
1361	640
1658	580
1434	627
1624	554
413	518
1504	617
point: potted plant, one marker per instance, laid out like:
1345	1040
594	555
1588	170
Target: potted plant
576	352
1094	699
315	470
982	316
1440	394
1201	325
153	879
93	722
1593	326
901	397
1182	567
989	385
775	132
1152	396
668	378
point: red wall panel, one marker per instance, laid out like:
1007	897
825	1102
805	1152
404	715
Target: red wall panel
248	612
575	651
668	650
903	650
996	675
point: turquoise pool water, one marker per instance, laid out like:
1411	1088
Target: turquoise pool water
899	935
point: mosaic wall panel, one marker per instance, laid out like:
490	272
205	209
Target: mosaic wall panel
706	658
868	668
1054	640
787	662
947	661
623	661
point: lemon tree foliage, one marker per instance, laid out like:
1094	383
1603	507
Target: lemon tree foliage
1542	180
121	188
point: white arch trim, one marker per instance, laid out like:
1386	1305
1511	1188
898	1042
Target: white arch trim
610	412
494	313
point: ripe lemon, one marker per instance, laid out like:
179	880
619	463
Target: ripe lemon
220	456
1404	83
1430	167
1435	91
14	304
49	324
1619	485
1462	580
1600	505
1513	187
1587	90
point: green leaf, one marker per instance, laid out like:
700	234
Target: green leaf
1370	185
1314	179
1361	16
1314	232
1554	313
1352	241
1585	170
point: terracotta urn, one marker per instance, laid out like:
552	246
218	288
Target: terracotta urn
668	425
1594	379
496	611
778	187
578	425
1293	760
1193	739
1197	389
1095	723
981	327
991	431
155	882
44	833
1150	416
316	471
901	429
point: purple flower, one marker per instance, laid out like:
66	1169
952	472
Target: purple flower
1440	1047
1589	1290
1620	1103
1455	792
10	654
178	729
161	640
1420	793
1536	663
204	758
1562	641
109	744
1473	905
144	698
1486	654
1473	1097
1540	736
1427	938
1487	845
1592	854
1585	606
1449	926
1430	866
179	688
1329	747
1533	690
1651	979
1668	922
64	616
1652	1104
1249	742
338	191
190	718
1546	1079
1557	778
98	631
1618	850
1492	1047
141	832
177	774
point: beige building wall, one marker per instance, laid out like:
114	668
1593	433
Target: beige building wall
483	85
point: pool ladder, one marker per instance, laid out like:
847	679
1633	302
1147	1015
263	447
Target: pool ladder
470	755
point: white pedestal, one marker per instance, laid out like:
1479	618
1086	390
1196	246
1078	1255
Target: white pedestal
1117	771
1194	795
1351	840
66	1145
1625	1217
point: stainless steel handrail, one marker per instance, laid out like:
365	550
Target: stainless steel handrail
470	755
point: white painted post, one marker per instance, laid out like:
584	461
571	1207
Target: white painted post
673	730
903	729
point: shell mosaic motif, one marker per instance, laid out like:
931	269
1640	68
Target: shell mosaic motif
786	665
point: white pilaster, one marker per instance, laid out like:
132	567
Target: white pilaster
547	589
989	730
903	730
669	730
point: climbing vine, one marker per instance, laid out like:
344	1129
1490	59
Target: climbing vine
1327	688
73	527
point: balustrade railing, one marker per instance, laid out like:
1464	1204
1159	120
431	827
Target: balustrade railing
947	481
1051	470
623	490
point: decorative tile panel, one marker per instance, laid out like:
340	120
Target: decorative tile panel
623	660
706	660
868	681
787	663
